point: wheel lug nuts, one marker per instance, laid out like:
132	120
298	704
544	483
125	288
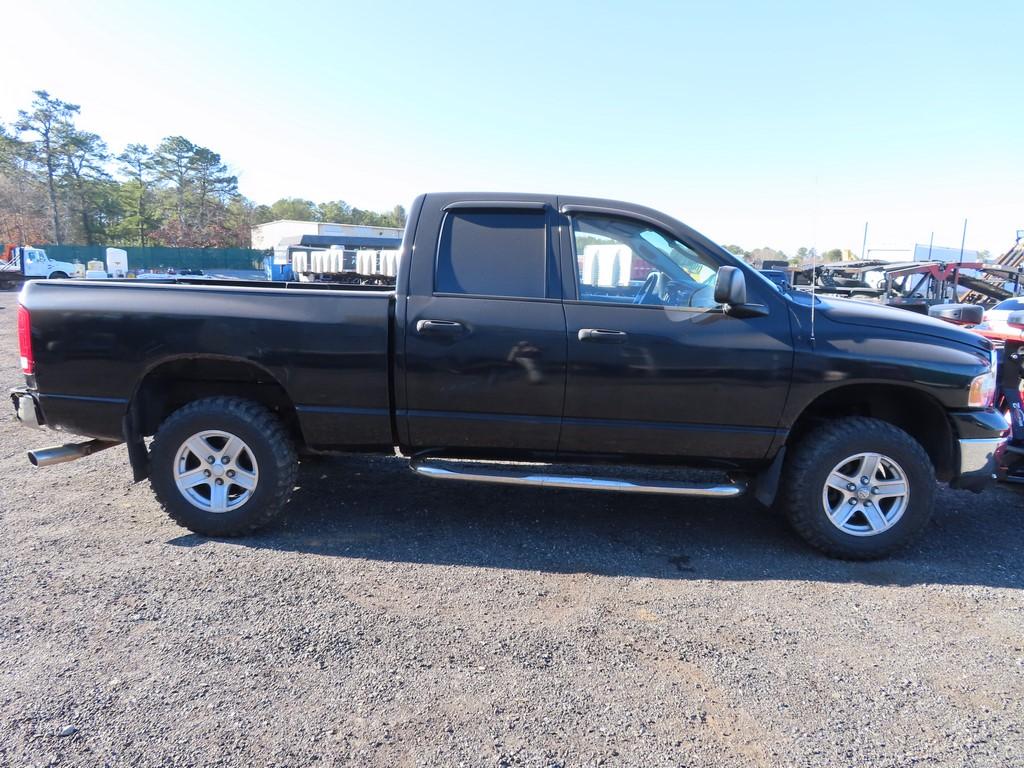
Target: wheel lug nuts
851	487
209	459
864	480
853	501
231	473
219	481
226	460
875	489
207	472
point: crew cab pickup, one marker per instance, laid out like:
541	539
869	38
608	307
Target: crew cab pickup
522	328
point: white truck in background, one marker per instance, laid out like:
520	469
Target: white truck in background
21	263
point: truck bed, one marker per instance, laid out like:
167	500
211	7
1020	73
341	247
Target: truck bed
325	346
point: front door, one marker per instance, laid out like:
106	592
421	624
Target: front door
484	354
655	366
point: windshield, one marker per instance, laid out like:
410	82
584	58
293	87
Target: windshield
1010	305
681	256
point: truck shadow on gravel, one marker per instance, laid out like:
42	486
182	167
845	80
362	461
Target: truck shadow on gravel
375	508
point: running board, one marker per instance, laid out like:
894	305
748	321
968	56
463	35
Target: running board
489	474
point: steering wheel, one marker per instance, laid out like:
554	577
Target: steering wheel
653	285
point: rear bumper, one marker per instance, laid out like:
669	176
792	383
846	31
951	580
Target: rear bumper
26	408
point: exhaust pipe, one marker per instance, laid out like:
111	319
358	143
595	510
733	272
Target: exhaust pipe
45	457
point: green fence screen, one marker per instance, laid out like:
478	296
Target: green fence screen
160	258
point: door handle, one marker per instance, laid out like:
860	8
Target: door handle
439	327
602	335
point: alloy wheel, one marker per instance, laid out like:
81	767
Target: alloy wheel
866	494
216	471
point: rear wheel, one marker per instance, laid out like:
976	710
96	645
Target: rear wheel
222	466
858	488
58	275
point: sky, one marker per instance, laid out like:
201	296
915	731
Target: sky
780	124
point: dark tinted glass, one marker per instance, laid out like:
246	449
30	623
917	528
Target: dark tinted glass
492	253
1010	304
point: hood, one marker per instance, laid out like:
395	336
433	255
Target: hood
868	315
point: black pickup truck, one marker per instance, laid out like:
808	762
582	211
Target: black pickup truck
522	328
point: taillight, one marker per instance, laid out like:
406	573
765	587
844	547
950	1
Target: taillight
28	362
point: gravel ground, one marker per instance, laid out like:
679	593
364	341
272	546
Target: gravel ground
391	621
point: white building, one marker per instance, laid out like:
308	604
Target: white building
924	252
921	252
323	235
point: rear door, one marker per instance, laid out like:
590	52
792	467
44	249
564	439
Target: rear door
484	348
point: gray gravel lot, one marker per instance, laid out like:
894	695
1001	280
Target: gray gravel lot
391	621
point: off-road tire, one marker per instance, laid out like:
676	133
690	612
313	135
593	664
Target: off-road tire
262	432
808	466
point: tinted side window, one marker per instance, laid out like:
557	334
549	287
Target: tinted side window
622	261
492	253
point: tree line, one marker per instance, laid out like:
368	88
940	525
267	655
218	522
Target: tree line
62	184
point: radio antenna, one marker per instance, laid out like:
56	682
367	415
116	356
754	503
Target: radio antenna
814	256
814	280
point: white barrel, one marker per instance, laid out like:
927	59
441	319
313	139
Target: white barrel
589	265
117	262
625	266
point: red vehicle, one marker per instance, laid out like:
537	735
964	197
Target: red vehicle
1003	325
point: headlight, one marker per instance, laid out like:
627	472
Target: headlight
983	388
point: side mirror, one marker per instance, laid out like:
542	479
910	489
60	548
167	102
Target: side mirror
730	287
1015	319
731	290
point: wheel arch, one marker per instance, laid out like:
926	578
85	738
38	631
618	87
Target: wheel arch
916	412
172	382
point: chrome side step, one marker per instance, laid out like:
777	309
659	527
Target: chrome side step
487	473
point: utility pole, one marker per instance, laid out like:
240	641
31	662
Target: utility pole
864	244
931	239
962	241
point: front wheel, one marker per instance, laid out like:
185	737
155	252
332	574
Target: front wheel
858	488
58	276
222	466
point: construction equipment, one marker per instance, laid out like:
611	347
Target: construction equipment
1001	281
913	285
